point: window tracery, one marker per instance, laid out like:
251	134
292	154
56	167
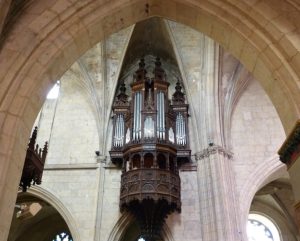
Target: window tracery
260	228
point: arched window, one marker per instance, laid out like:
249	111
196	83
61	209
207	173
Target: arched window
260	228
63	236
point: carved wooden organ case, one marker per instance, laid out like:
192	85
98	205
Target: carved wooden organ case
150	141
34	163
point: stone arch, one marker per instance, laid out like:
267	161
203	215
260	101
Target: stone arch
264	173
125	221
59	206
51	35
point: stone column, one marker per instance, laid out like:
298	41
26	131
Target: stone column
290	155
101	181
217	195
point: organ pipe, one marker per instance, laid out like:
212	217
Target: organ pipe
158	114
163	115
180	130
140	116
134	117
119	131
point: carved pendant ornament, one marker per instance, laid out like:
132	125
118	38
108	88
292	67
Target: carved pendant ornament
150	141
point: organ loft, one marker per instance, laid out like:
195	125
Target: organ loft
150	142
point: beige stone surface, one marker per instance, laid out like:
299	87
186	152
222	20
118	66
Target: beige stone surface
51	35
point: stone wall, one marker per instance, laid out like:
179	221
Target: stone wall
257	132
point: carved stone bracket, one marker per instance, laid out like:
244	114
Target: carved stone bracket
213	149
290	150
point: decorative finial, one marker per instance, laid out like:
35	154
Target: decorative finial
141	72
178	96
32	140
122	98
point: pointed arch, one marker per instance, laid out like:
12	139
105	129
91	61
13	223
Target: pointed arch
125	221
59	206
47	38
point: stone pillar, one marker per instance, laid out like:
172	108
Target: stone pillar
290	155
217	195
101	181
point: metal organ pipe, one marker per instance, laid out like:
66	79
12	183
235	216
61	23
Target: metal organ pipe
139	116
180	127
180	130
122	130
137	121
157	117
177	129
184	131
159	114
117	128
134	118
183	137
163	115
136	115
119	131
114	143
117	134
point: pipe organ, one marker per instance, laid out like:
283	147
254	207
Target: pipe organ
150	142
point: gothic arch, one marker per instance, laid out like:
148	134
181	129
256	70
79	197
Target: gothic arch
264	173
125	221
51	35
59	206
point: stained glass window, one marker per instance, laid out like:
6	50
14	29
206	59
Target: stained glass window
260	228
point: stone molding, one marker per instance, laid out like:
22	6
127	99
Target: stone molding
297	214
211	150
290	149
53	167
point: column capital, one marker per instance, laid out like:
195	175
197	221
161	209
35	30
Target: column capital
213	149
290	149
